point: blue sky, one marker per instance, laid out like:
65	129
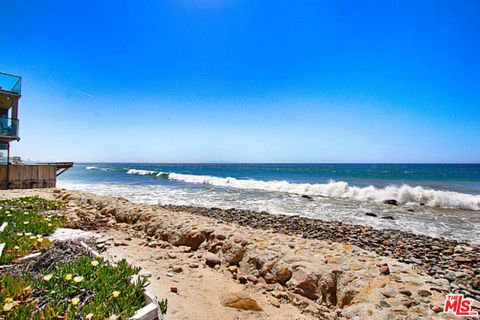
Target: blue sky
246	81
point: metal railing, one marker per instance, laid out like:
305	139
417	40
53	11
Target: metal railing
11	83
8	127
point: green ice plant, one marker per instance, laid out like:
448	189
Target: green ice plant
87	288
26	228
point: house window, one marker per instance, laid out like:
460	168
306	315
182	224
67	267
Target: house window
4	154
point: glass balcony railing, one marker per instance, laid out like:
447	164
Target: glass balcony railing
8	127
11	83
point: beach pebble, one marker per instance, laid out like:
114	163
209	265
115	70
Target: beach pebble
275	303
384	269
212	259
145	274
177	269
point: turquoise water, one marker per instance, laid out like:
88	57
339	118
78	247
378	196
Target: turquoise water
444	198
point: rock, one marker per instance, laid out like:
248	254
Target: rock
233	269
462	259
405	292
392	202
212	259
388	218
240	301
174	289
177	269
194	239
304	196
282	272
269	278
193	265
371	214
384	304
120	243
220	236
275	303
242	279
56	190
252	278
385	270
304	283
424	293
388	292
172	255
145	274
233	252
436	308
280	295
415	260
328	289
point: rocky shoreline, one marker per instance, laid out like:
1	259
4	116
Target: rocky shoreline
458	262
326	270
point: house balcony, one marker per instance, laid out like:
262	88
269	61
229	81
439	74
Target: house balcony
10	83
8	128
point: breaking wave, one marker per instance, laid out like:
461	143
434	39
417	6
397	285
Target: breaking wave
404	194
148	173
97	168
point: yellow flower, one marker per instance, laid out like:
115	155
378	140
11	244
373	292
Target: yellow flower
115	294
112	317
94	263
33	237
78	279
68	277
8	306
39	236
47	277
25	222
25	213
40	239
28	234
50	224
16	248
75	301
8	300
19	234
9	215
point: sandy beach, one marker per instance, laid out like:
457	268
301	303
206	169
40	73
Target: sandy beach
236	264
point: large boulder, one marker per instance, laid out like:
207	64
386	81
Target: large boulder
282	272
233	252
194	239
240	301
304	283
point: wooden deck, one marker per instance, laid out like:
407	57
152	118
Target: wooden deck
23	176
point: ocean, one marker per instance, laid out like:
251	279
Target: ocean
439	200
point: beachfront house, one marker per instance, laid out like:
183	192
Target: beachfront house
13	173
10	93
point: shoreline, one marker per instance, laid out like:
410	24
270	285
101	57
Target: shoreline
438	257
309	267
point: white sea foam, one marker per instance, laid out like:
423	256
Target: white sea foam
91	168
147	173
404	194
